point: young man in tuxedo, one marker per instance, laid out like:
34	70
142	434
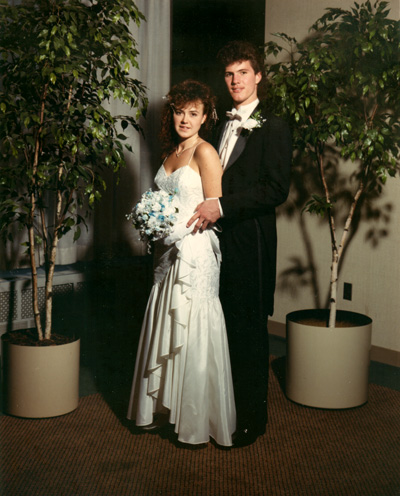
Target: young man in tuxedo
255	152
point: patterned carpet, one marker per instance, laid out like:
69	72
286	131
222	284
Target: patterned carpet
94	452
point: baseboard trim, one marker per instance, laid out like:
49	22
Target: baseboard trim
378	354
277	328
384	355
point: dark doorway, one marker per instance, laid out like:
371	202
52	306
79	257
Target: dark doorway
201	27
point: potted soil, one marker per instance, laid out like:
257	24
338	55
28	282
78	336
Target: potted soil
339	90
60	62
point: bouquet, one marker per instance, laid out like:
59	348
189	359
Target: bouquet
154	215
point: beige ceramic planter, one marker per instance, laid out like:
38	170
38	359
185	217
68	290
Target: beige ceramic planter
40	382
328	368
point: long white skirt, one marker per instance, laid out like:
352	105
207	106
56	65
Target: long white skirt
182	364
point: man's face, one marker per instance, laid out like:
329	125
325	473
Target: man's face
242	81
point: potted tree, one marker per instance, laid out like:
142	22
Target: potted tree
60	61
339	89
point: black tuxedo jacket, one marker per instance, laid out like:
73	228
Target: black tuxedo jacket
255	181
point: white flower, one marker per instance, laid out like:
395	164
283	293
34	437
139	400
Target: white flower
250	124
154	215
169	210
254	122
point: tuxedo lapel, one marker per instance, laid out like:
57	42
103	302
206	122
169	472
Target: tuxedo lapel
237	150
240	143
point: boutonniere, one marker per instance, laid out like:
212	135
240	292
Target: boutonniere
254	122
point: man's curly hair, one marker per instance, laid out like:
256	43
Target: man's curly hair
180	95
240	51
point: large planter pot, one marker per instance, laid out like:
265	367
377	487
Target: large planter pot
327	367
38	381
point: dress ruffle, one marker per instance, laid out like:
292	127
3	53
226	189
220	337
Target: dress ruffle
170	326
179	329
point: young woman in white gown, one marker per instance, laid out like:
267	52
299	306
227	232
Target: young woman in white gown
182	366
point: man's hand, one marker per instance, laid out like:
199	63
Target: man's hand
206	213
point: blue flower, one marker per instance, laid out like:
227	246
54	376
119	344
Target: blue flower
146	215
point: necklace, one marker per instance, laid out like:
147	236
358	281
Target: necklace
186	148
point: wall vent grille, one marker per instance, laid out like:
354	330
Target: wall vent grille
16	295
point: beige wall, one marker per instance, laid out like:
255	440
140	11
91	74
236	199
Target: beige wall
373	272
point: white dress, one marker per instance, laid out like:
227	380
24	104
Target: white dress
182	365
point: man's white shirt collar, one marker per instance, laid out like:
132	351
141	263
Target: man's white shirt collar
245	111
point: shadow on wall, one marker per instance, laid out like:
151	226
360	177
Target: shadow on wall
302	272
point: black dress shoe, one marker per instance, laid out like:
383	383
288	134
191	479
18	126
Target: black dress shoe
244	437
160	422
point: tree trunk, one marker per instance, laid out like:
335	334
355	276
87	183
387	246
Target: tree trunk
52	260
31	232
35	294
335	254
333	288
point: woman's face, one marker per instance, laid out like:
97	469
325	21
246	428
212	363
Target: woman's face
188	119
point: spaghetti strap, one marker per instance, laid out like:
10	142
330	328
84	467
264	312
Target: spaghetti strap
194	149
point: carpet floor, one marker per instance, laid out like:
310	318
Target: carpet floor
94	451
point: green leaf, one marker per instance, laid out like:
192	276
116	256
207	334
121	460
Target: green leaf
56	62
77	233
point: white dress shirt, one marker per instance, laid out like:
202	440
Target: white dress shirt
231	134
232	130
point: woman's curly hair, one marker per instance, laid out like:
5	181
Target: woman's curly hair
180	95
